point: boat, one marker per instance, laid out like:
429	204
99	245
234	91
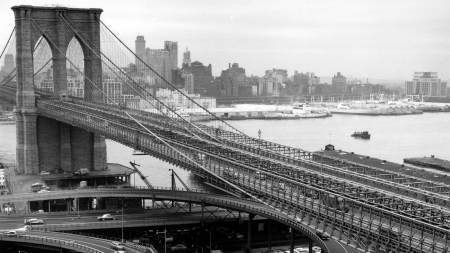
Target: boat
307	111
363	135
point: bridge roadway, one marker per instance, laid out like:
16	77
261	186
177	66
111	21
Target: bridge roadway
398	183
228	202
62	221
244	149
67	241
217	158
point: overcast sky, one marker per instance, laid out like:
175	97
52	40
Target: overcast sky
363	38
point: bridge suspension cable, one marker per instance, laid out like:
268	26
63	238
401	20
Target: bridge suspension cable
145	128
125	78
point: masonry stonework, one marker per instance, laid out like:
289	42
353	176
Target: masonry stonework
45	144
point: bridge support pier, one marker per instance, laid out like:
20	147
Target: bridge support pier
45	144
270	234
310	244
292	236
249	239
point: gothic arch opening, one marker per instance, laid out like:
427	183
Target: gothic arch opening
43	66
75	69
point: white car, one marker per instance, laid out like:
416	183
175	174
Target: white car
106	217
11	233
178	247
33	222
42	191
45	173
316	249
117	246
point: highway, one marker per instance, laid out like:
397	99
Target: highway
217	200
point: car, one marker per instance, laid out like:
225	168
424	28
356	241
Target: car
11	233
106	217
119	251
301	250
43	191
117	246
323	235
45	173
316	249
33	222
178	247
239	236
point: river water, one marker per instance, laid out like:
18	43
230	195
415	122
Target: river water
392	138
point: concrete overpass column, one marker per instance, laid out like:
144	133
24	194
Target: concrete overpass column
40	205
49	210
270	234
249	239
68	205
310	244
203	210
292	232
190	207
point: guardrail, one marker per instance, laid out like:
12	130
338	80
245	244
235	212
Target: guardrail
136	246
48	241
56	227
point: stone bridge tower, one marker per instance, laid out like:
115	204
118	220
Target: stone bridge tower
44	144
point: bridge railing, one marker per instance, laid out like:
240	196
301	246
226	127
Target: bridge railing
78	226
133	245
53	242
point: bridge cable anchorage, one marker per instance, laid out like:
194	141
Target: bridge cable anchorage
175	88
135	83
139	123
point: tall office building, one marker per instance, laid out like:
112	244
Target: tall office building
172	48
140	49
339	83
163	61
426	83
186	58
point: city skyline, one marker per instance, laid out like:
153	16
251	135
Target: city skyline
382	40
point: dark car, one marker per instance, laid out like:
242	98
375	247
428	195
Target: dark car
323	235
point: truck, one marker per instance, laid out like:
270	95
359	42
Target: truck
81	172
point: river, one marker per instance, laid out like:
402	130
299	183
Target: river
392	138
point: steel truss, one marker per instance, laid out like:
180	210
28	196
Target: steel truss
366	217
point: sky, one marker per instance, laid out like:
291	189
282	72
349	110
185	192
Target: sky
383	39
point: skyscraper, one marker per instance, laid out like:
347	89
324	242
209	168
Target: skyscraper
186	59
140	49
163	61
172	47
339	83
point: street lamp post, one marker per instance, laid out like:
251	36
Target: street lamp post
122	221
210	249
165	239
198	246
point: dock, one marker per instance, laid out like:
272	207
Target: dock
430	162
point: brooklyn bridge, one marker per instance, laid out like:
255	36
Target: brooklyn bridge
60	125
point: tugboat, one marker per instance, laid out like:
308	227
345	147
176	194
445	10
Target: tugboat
363	135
